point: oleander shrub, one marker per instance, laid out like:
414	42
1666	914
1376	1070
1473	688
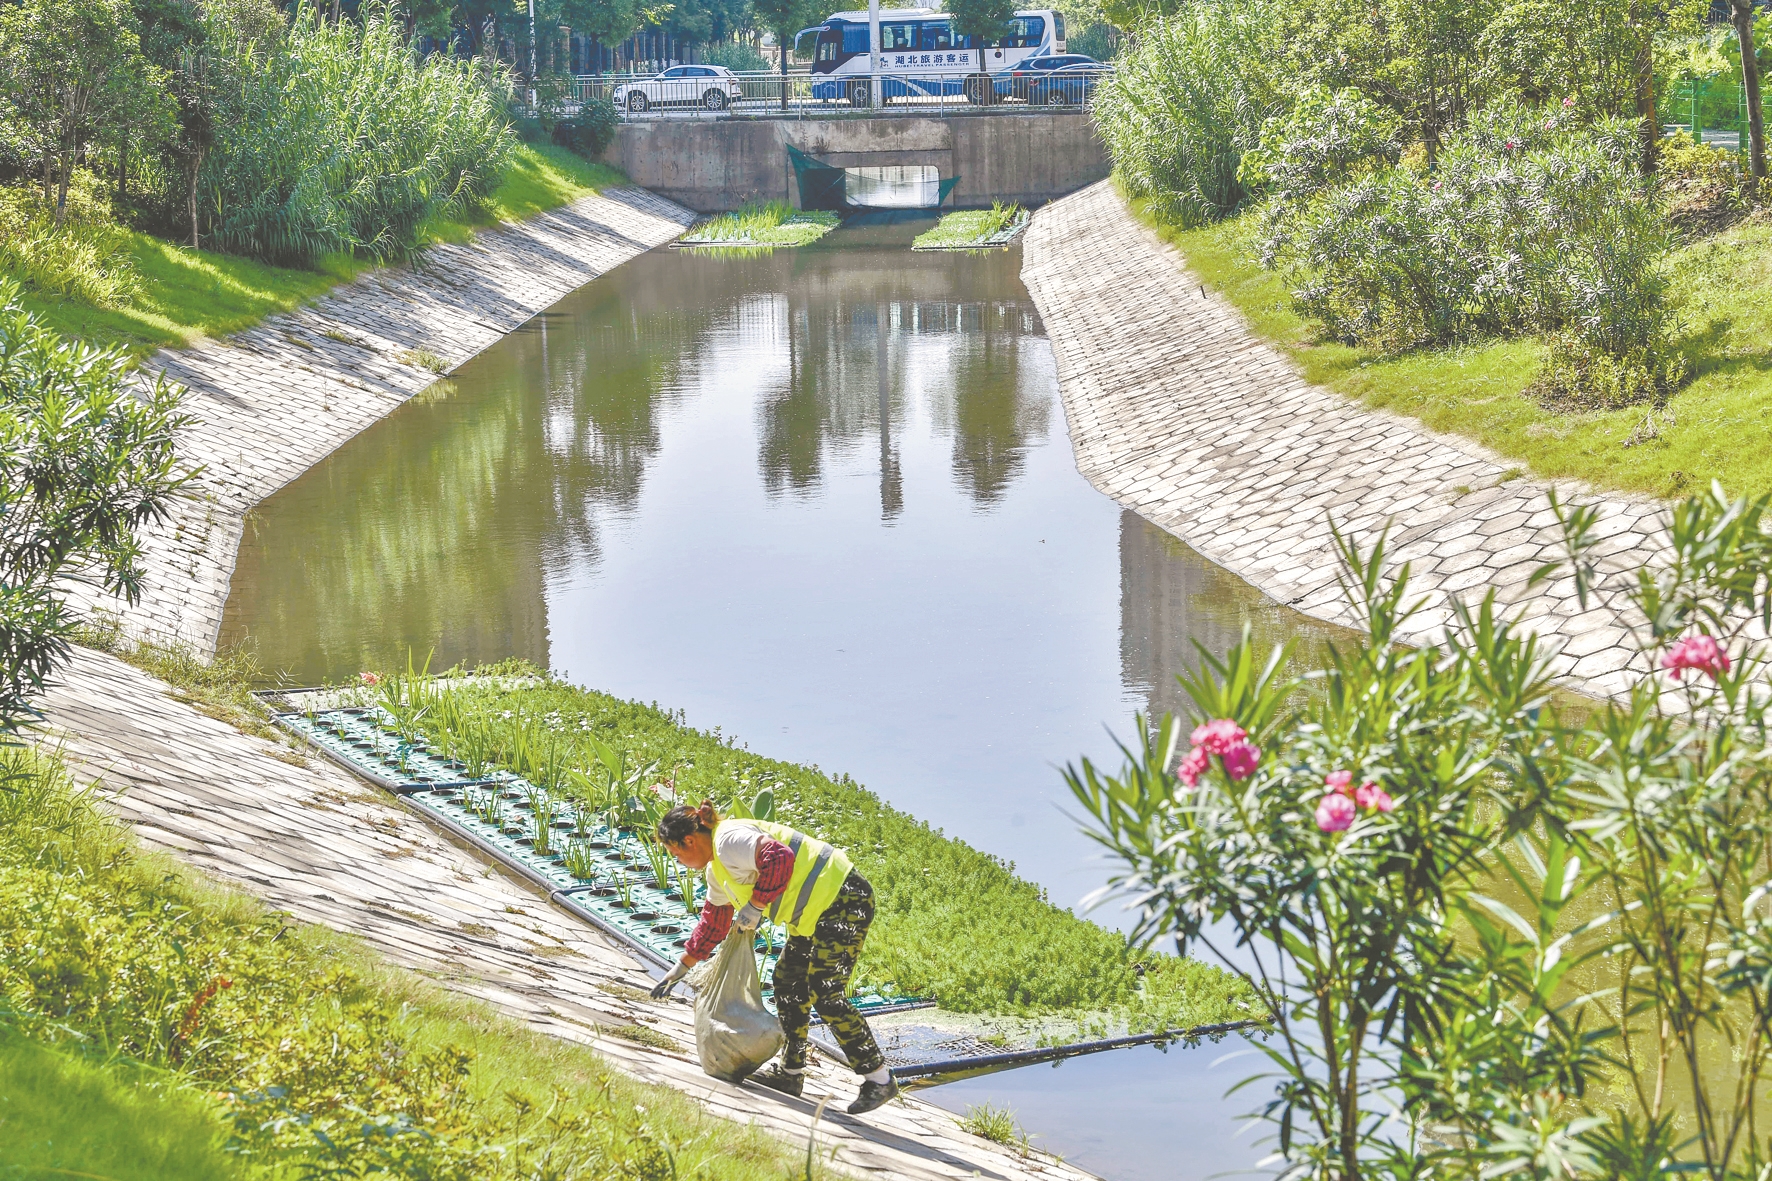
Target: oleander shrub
1185	104
1528	224
338	138
86	460
1327	139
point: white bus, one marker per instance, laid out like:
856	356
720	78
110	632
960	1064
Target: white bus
919	55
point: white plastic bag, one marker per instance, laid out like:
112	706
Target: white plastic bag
734	1033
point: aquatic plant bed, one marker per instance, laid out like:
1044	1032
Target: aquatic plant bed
767	224
1017	979
975	229
603	875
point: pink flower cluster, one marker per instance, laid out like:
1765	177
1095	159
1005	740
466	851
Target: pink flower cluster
1700	652
1337	809
369	678
1224	738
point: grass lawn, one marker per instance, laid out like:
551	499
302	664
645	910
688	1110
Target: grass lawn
1718	426
765	223
63	1115
968	227
147	1016
187	294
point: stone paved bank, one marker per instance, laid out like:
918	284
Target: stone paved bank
315	842
1179	413
270	402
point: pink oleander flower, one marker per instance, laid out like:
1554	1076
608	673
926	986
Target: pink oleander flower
1335	813
1568	102
1193	766
369	678
1340	782
1240	760
1511	144
1218	735
1700	652
1370	795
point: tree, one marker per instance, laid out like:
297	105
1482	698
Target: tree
1741	13
86	459
784	18
984	19
70	70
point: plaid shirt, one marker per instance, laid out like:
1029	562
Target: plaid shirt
775	865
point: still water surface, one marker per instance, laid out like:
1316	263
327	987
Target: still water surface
824	500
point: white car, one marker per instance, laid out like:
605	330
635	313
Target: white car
713	87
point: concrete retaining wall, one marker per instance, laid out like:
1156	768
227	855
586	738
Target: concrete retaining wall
712	165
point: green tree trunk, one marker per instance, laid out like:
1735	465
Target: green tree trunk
1743	13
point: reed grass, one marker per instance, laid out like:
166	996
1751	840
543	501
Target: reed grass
334	138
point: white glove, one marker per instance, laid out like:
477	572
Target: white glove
747	917
663	988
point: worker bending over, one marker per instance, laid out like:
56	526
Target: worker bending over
768	870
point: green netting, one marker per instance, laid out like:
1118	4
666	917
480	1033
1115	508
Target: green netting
821	186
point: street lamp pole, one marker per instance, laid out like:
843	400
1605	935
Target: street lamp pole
878	54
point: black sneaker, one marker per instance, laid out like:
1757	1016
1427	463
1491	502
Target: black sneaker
873	1095
776	1079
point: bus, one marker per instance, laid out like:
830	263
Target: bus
919	55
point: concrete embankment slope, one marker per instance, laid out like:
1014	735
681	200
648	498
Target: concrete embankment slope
325	848
1179	413
272	401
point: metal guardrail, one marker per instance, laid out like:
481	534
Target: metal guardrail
765	95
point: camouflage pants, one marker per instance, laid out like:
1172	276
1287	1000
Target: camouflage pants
813	973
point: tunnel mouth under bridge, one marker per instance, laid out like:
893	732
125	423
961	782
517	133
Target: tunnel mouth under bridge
881	186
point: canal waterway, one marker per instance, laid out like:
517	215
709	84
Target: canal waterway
824	500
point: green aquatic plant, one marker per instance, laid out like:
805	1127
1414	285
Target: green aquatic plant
686	889
996	1124
659	858
407	697
764	223
624	888
581	861
960	926
485	805
543	807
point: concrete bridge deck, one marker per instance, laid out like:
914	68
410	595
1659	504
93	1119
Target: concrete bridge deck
1030	156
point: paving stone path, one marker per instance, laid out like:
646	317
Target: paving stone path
270	402
326	848
1179	413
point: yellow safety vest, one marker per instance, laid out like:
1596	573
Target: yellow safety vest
819	870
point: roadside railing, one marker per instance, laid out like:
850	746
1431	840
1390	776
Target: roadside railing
802	95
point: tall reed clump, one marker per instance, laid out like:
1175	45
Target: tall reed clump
1185	105
337	138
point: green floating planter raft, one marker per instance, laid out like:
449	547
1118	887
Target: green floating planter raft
603	877
613	889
